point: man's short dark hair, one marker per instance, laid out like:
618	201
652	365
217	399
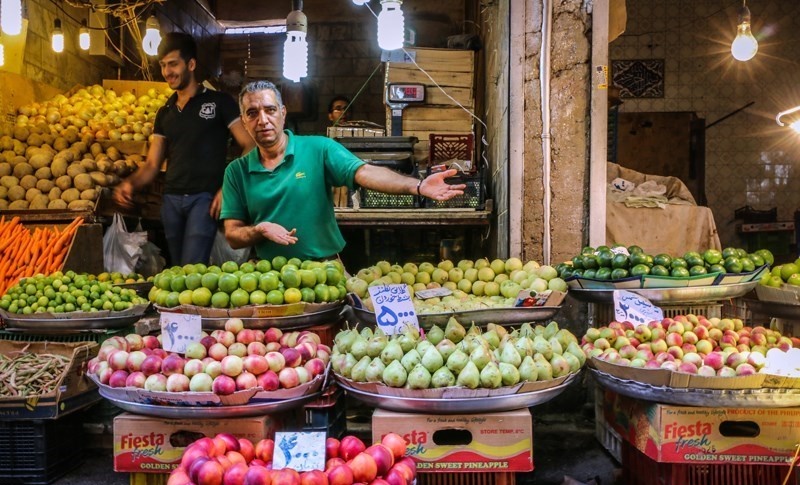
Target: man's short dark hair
256	86
178	41
336	98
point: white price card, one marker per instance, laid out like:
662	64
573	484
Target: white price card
433	293
636	309
394	309
179	330
303	451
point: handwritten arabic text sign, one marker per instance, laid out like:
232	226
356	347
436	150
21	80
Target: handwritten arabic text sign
179	330
394	309
636	309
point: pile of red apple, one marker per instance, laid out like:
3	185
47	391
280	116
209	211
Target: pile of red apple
689	344
226	460
224	362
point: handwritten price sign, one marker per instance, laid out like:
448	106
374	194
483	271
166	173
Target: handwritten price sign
179	330
394	309
636	309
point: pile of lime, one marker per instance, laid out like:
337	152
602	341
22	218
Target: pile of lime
788	273
67	292
619	262
231	285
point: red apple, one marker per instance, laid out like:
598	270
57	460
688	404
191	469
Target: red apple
246	380
173	364
292	357
224	461
136	379
288	378
231	443
118	378
350	446
258	475
331	448
256	348
273	335
246	336
219	446
150	342
308	350
197	464
315	367
207	342
276	361
333	463
313	477
247	449
410	464
383	456
255	364
264	449
268	381
223	385
340	475
396	443
235	474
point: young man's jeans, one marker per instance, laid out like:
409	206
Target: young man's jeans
189	228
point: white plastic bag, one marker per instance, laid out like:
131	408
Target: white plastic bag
122	249
221	251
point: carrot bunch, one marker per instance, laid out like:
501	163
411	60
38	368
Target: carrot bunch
25	253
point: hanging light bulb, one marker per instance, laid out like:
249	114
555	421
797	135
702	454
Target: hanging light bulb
57	38
744	46
360	2
11	16
152	36
83	37
295	49
2	56
391	26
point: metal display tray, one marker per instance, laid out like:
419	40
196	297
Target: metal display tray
747	398
292	322
478	317
84	323
491	404
253	408
669	296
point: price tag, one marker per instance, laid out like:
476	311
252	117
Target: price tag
302	451
635	309
620	250
393	308
432	293
179	330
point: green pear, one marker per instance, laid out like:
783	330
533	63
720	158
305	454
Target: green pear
407	342
524	347
454	331
457	361
376	344
573	349
393	351
538	330
446	348
510	355
411	331
435	335
410	359
443	377
574	363
423	347
375	370
395	375
474	330
543	368
349	363
542	346
527	369
490	376
419	378
469	376
359	347
498	329
432	359
556	346
480	357
564	337
344	340
560	365
526	330
359	371
509	373
550	330
366	332
492	338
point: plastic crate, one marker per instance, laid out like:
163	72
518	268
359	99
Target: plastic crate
39	451
498	478
639	469
371	199
444	147
472	198
328	413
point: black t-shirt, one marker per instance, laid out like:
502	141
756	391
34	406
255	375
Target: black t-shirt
197	140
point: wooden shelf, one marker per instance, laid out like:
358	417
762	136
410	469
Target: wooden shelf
414	217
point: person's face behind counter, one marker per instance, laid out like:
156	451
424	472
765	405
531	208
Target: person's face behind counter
263	117
176	71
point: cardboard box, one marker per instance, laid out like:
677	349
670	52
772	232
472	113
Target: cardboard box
462	442
685	434
155	445
74	391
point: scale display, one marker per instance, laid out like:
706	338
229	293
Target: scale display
406	93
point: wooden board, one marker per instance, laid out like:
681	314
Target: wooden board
138	88
20	91
444	78
86	252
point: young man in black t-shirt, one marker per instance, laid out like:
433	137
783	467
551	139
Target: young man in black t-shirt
192	131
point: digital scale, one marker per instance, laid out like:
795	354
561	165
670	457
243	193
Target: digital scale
399	97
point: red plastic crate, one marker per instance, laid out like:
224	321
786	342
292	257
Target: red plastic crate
639	469
445	147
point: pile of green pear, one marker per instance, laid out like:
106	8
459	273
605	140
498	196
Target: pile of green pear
456	356
475	285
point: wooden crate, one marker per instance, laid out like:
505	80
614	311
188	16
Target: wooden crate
454	71
20	91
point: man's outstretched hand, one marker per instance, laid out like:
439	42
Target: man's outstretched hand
277	233
434	186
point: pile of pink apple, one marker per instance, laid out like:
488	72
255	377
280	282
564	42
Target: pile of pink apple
226	460
224	362
689	344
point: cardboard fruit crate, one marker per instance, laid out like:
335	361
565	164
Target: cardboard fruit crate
39	451
499	478
639	469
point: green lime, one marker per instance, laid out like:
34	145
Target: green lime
240	298
178	283
321	293
712	256
220	299
258	297
292	295
740	253
333	275
335	293
308	294
278	262
619	273
295	262
248	282
637	258
321	274
307	278
620	261
640	269
194	281
589	273
603	274
578	273
229	267
210	281
290	278
185	297
275	297
589	261
716	268
268	281
747	264
694	259
767	255
679	272
247	267
214	269
263	265
697	270
635	249
201	296
757	260
662	259
605	258
734	265
728	252
228	283
577	262
679	263
659	270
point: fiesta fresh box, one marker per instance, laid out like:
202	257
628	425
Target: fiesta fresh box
462	442
685	434
155	445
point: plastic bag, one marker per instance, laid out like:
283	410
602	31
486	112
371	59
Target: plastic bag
122	249
221	251
150	262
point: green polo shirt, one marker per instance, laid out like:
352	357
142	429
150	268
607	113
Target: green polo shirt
297	194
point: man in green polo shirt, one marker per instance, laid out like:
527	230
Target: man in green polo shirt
278	196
